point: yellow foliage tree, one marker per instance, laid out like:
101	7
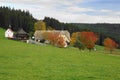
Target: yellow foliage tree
74	38
40	25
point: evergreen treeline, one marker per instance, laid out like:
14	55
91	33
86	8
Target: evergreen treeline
16	18
51	22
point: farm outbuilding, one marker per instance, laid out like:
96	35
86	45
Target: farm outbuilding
21	35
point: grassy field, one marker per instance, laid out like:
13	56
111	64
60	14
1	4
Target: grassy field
21	61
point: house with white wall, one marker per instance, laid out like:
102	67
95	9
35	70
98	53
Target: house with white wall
9	33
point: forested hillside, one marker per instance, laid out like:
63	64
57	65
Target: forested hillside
16	18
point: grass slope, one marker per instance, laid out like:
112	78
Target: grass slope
21	61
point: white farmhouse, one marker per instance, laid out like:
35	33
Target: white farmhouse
39	35
9	33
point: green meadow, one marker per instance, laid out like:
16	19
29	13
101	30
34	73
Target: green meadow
22	61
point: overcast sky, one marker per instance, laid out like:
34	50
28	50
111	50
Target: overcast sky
70	11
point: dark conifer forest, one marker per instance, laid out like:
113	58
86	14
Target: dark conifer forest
16	18
23	19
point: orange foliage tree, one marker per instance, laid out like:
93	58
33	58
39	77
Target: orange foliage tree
110	44
56	39
88	38
84	39
53	37
61	42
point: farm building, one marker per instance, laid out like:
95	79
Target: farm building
9	33
41	35
21	35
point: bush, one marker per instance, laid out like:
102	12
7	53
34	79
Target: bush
110	44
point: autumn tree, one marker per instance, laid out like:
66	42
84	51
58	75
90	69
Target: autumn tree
52	37
73	38
84	39
40	25
88	38
75	41
61	42
110	44
79	45
56	39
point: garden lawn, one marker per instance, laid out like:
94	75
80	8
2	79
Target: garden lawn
22	61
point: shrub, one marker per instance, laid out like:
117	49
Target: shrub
110	44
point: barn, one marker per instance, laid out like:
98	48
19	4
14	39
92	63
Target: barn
21	35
